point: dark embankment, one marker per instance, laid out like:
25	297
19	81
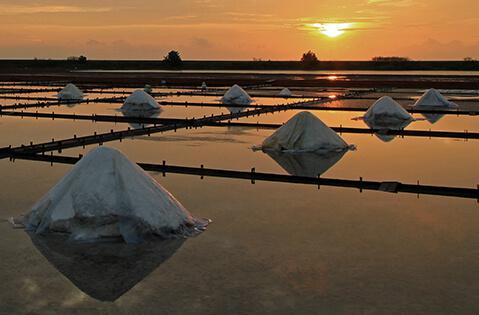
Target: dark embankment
66	71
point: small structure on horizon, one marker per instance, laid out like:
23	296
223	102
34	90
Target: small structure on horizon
140	100
148	89
304	133
70	93
106	195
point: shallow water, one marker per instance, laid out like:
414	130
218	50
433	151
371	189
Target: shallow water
273	248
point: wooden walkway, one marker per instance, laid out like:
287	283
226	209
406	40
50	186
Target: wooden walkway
119	135
253	176
168	121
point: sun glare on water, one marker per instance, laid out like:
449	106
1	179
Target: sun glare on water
332	29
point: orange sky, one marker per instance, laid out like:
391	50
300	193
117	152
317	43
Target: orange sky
247	29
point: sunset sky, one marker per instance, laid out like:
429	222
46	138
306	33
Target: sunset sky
247	29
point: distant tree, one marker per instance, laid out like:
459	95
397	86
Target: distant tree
309	60
390	59
78	59
469	59
173	59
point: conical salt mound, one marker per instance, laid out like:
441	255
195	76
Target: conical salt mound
70	92
204	87
387	109
106	195
140	100
285	92
432	98
236	96
304	133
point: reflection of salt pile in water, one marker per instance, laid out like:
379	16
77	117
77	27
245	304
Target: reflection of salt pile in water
432	118
387	114
285	93
304	133
104	271
236	96
309	164
106	195
432	100
70	93
141	114
383	128
140	101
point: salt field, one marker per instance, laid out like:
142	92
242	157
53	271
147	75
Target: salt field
384	222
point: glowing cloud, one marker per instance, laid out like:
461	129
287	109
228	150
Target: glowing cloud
331	29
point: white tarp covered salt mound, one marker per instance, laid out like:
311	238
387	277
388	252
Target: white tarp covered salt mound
387	110
141	101
304	133
106	195
433	99
70	92
236	96
386	114
285	93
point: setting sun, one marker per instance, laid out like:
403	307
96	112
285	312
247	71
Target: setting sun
332	29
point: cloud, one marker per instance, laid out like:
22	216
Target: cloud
7	9
394	3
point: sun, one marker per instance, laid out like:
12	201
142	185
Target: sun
332	29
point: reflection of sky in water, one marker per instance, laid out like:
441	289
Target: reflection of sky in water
273	248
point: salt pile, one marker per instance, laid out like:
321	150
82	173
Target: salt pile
106	195
285	93
70	92
432	98
204	87
236	96
387	110
304	133
140	100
